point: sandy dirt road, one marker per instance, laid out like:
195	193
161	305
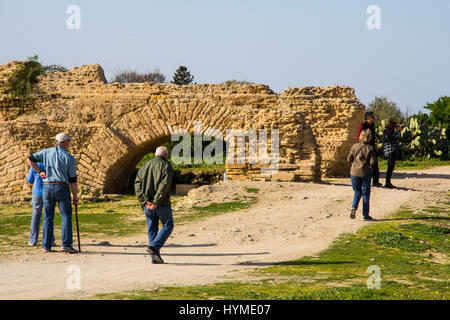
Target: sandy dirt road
289	221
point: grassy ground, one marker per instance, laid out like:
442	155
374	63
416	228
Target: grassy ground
414	164
410	248
122	216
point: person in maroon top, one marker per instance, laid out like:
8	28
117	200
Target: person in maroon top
369	123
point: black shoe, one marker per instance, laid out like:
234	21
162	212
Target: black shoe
376	184
156	257
368	218
70	250
156	262
389	185
352	213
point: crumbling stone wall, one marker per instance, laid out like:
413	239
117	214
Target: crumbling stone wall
115	124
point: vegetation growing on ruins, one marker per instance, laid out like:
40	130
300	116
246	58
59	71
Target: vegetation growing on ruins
20	83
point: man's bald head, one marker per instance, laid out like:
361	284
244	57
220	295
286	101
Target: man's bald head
162	152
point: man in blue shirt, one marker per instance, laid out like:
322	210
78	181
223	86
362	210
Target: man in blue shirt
59	173
35	179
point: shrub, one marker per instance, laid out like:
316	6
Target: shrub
132	76
426	141
20	83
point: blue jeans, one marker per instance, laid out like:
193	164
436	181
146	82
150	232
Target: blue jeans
52	194
163	213
361	187
36	219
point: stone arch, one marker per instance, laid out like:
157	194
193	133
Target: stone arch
115	150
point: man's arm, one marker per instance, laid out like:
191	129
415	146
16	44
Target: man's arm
74	187
142	198
351	157
30	177
73	179
36	168
32	161
164	186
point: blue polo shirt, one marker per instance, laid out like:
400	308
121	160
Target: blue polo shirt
34	178
59	165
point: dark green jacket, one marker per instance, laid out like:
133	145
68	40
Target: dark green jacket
153	182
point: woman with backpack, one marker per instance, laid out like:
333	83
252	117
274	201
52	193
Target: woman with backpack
362	156
391	135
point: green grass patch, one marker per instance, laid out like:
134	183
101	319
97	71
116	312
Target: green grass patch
252	190
414	164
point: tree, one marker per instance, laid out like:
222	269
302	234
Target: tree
132	76
385	110
182	76
440	112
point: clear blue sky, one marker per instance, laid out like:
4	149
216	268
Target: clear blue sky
282	43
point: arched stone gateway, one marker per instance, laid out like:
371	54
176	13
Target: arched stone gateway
115	124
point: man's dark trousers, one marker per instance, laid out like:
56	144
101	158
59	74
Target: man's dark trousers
163	213
375	170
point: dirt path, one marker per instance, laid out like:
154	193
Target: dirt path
290	220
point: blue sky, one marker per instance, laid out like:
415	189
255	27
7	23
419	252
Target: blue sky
282	43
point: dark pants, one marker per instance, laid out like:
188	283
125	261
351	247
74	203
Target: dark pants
52	194
375	171
163	213
390	169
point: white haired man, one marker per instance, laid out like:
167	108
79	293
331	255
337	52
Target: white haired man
152	186
59	173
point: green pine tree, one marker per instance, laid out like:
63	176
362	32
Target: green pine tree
182	76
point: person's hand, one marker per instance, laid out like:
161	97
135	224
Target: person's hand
150	205
75	201
43	174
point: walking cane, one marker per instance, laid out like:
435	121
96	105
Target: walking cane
78	230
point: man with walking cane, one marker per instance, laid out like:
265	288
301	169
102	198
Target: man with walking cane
59	173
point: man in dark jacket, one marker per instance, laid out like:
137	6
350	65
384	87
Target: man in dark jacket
152	186
369	123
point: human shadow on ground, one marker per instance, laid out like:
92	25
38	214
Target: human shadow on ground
192	264
170	245
292	263
214	254
144	253
420	175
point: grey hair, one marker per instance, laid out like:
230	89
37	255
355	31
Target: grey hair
161	151
365	135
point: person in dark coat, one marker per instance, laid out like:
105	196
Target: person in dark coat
391	135
369	123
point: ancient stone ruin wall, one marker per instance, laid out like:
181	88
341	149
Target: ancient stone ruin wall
115	124
334	115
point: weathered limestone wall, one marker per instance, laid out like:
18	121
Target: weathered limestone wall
334	115
114	125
